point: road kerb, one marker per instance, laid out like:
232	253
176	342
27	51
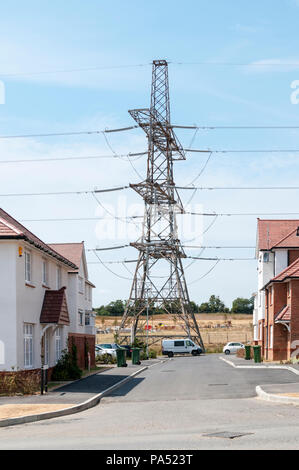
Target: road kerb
275	398
289	368
90	403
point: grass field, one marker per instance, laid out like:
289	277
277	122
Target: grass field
216	329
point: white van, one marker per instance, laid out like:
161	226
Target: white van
180	346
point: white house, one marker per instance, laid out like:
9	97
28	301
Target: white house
79	292
37	317
277	247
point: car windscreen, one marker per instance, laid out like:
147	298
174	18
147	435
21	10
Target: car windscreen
106	346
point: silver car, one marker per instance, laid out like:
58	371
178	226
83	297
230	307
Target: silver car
232	348
107	348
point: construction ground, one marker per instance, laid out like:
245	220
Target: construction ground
216	329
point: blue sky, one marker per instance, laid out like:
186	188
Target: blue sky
54	36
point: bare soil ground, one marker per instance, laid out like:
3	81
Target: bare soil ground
14	411
216	329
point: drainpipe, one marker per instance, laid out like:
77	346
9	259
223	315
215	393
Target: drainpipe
267	327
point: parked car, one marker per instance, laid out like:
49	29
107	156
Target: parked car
180	346
107	348
232	348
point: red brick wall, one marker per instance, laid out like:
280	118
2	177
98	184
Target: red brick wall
280	334
294	301
293	255
82	341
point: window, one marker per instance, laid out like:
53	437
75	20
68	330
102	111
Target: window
28	270
89	293
58	277
271	337
271	295
87	319
47	347
266	257
80	280
179	343
28	345
45	272
58	343
80	317
289	289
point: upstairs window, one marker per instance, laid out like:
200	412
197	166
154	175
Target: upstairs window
266	257
28	267
80	317
80	287
271	295
45	272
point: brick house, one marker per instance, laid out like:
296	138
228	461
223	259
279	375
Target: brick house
277	250
281	336
37	317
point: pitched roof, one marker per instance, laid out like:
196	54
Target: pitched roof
291	271
284	314
71	251
54	309
10	228
289	241
272	232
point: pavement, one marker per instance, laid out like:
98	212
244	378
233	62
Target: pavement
184	403
68	395
241	362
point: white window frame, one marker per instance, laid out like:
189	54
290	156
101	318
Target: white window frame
81	316
47	347
28	266
58	344
58	277
271	337
28	346
45	272
80	285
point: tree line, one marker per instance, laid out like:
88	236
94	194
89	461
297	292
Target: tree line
213	305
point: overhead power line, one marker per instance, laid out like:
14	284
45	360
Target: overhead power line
97	68
208	128
98	191
58	134
242	151
91	157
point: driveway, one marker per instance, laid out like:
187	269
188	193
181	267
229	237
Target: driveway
183	403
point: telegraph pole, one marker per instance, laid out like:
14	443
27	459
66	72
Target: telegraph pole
159	278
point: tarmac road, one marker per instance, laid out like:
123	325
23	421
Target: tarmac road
174	405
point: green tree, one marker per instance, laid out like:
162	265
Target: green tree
214	305
241	305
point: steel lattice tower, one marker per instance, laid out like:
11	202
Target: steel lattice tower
159	279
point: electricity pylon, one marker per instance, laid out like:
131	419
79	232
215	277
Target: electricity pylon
159	279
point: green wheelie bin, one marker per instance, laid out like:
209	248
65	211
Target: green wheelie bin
136	356
257	354
247	352
121	357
